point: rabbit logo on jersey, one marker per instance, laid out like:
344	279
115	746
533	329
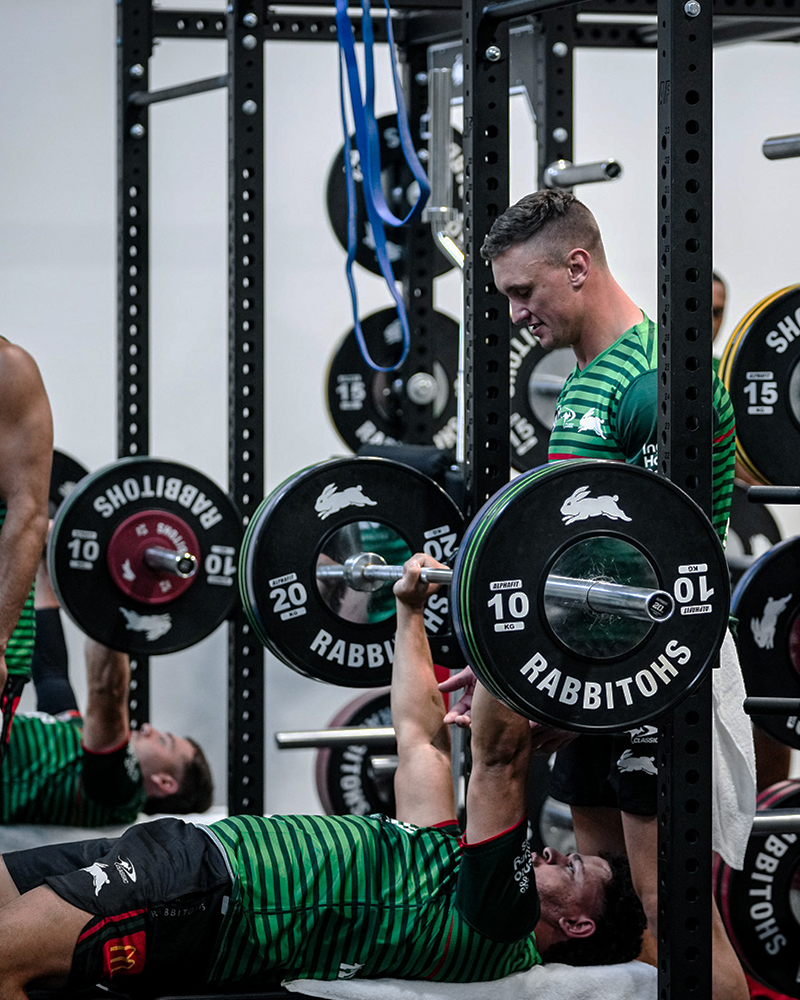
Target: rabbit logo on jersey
580	506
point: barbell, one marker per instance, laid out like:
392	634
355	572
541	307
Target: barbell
534	636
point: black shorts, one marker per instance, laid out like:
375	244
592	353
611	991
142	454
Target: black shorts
617	771
156	894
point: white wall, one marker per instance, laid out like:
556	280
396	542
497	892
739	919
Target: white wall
58	284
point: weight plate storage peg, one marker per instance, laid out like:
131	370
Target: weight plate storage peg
65	475
322	516
371	407
760	367
400	191
752	531
760	905
348	782
565	664
143	555
766	602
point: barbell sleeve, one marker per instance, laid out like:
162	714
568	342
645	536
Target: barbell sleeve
777	821
314	738
178	562
641	603
563	174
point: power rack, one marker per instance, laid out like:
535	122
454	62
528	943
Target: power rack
683	33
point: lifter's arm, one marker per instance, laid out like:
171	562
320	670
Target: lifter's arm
106	723
26	452
423	781
501	750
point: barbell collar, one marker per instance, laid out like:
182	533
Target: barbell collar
177	562
367	571
315	738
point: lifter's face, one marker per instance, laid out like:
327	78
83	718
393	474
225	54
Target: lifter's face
541	295
570	886
160	752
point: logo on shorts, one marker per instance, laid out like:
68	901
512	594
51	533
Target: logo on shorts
522	867
126	870
124	956
99	877
643	734
628	762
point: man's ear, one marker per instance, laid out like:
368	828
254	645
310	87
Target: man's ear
577	927
160	784
578	264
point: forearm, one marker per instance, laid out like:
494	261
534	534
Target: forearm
417	704
106	720
22	540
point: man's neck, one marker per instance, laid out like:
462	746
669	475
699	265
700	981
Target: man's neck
612	312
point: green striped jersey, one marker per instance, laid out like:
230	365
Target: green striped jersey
19	651
42	779
609	409
333	897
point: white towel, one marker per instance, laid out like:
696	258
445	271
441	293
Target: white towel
734	761
628	981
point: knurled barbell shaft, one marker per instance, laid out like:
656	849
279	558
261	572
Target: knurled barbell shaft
313	738
178	562
611	598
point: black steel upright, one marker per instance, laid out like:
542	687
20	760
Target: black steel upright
554	92
486	193
246	190
134	47
685	455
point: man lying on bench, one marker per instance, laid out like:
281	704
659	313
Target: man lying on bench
250	900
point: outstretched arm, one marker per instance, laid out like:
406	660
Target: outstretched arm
106	723
501	750
26	451
423	781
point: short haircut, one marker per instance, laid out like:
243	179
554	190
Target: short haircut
196	789
618	934
716	276
562	221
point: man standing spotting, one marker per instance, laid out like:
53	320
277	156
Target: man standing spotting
548	259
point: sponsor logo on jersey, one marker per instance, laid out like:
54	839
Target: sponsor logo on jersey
763	628
565	416
628	762
99	876
643	734
593	423
347	971
126	870
522	867
332	500
579	506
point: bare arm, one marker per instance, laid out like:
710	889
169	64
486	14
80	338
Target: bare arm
501	748
105	722
423	782
26	449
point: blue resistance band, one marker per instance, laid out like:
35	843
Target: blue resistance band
368	145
